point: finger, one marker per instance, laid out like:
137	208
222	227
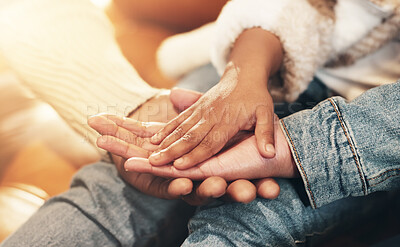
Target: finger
143	165
181	146
171	127
209	189
208	147
142	129
105	126
180	187
159	187
121	148
268	188
241	191
183	98
265	131
99	123
181	130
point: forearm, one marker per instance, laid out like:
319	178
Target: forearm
311	33
65	52
348	148
257	52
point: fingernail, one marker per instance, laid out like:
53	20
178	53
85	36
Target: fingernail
269	148
178	162
132	162
129	164
155	156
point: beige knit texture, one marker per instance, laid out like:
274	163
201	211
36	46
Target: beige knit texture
65	52
376	39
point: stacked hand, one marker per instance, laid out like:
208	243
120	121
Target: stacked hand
240	101
128	138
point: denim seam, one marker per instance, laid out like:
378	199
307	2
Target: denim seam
335	107
394	175
301	166
383	173
314	233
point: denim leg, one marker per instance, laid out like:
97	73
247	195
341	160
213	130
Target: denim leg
285	221
101	210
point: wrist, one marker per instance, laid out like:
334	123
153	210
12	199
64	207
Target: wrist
257	50
246	75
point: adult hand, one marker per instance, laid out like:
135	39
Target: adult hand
161	109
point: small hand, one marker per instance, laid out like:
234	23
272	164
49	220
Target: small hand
203	129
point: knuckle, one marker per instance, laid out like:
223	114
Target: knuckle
132	139
206	144
188	137
191	138
179	132
112	129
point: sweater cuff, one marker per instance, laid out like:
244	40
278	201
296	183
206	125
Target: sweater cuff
184	52
292	21
325	154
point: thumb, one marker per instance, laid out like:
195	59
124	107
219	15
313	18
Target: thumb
183	98
265	131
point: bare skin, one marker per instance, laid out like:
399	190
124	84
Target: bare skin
116	139
240	101
240	161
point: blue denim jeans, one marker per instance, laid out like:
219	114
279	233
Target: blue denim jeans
101	210
346	148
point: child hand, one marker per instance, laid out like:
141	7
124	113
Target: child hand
202	130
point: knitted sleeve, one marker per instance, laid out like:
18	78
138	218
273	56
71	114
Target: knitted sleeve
65	52
311	31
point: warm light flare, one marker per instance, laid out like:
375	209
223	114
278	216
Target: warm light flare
101	3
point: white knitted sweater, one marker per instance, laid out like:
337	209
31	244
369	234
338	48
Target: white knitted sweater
65	52
313	34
